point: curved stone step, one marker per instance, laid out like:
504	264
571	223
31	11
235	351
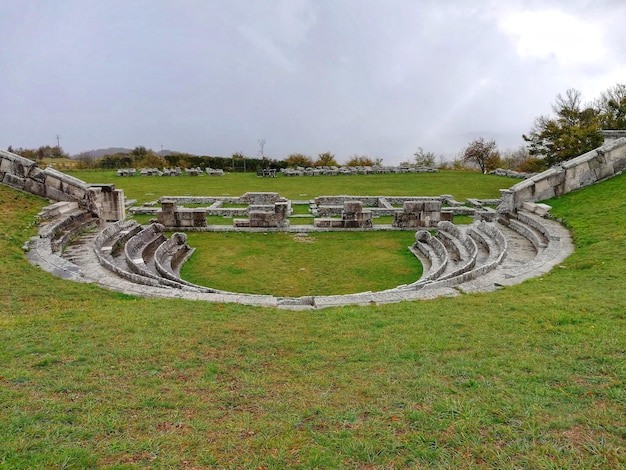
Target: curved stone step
550	231
495	244
110	249
464	246
139	256
533	235
144	241
65	226
171	255
555	245
113	238
433	255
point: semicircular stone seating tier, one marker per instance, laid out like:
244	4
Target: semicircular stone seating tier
518	243
483	256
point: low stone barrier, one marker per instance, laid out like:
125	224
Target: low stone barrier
24	174
594	166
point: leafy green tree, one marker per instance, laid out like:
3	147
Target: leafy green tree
139	153
611	107
86	160
117	160
45	151
299	159
362	160
326	159
574	131
483	153
423	158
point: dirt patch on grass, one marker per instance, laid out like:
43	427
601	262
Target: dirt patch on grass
303	239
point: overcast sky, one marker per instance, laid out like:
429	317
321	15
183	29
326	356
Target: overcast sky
377	78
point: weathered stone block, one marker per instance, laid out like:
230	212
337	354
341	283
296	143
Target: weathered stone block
241	223
352	206
14	181
544	190
447	216
56	194
412	207
35	187
53	182
432	206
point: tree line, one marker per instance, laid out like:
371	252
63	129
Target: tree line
572	129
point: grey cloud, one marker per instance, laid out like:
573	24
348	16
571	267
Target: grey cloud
212	77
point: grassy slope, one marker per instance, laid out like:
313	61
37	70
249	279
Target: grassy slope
531	376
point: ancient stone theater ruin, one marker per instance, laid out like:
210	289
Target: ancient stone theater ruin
84	235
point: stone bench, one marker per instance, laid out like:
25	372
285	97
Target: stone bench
139	252
462	244
433	255
171	255
539	224
492	239
63	228
535	237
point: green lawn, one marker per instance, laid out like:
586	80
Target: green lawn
531	376
461	184
286	264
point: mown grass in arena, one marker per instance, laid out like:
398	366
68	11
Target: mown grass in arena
293	264
461	184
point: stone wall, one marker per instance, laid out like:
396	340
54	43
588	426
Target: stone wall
611	136
352	216
170	215
585	170
418	213
104	201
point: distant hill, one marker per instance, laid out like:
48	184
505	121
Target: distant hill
99	153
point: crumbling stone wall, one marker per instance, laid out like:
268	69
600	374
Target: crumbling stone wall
104	201
266	215
352	216
171	216
419	213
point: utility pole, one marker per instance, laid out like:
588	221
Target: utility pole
58	138
261	143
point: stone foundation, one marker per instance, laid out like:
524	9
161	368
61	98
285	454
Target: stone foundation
352	216
416	214
171	216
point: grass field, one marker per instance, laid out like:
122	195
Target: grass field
531	376
286	264
461	184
